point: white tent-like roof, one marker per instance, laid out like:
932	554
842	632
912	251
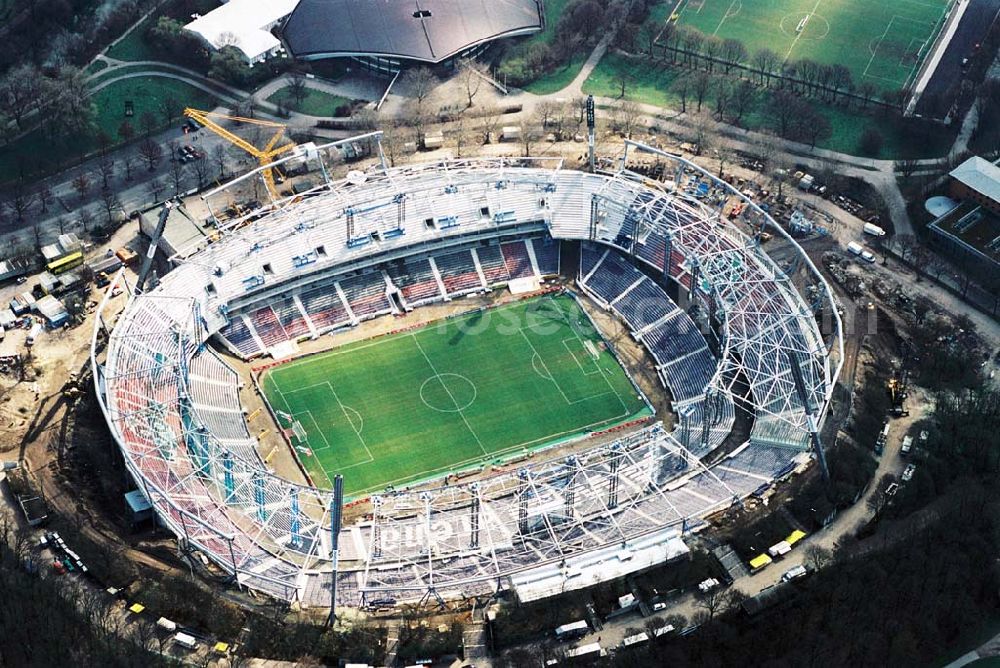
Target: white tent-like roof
244	24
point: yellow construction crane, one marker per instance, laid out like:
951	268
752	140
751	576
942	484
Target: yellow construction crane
265	156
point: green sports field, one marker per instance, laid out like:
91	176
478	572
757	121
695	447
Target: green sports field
465	391
881	41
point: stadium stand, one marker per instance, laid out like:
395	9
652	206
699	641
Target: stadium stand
175	412
267	326
240	337
415	280
493	265
292	319
547	254
324	306
366	294
458	271
516	259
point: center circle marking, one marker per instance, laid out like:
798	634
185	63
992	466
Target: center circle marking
448	392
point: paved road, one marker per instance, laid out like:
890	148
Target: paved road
846	524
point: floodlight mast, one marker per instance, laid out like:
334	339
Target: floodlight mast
590	130
336	508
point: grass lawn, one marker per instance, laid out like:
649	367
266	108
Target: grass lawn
135	46
315	103
40	155
7	9
652	83
463	392
556	80
553	11
96	67
882	41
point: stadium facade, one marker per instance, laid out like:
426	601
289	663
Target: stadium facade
774	349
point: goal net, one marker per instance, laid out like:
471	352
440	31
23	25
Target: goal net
298	433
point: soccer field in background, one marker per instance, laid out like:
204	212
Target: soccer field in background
880	41
453	395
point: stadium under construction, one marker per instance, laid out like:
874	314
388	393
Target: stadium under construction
729	330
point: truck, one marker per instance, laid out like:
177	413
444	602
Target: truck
510	133
874	230
34	333
880	441
857	249
572	631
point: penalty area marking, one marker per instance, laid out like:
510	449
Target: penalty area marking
734	8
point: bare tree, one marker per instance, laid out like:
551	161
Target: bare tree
710	50
907	244
150	152
722	155
219	156
395	136
44	197
147	121
490	117
545	110
527	138
128	161
105	169
20	90
297	87
419	83
682	86
126	131
699	86
85	217
471	74
743	97
81	184
174	147
733	53
20	202
155	188
111	203
170	108
817	557
200	168
691	41
460	133
626	116
178	172
712	601
723	93
765	61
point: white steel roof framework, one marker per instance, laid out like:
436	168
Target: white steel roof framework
462	539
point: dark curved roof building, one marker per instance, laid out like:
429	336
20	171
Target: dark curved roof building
385	34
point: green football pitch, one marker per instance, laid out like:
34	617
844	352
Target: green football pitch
880	41
465	391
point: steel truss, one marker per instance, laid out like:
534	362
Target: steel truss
217	496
